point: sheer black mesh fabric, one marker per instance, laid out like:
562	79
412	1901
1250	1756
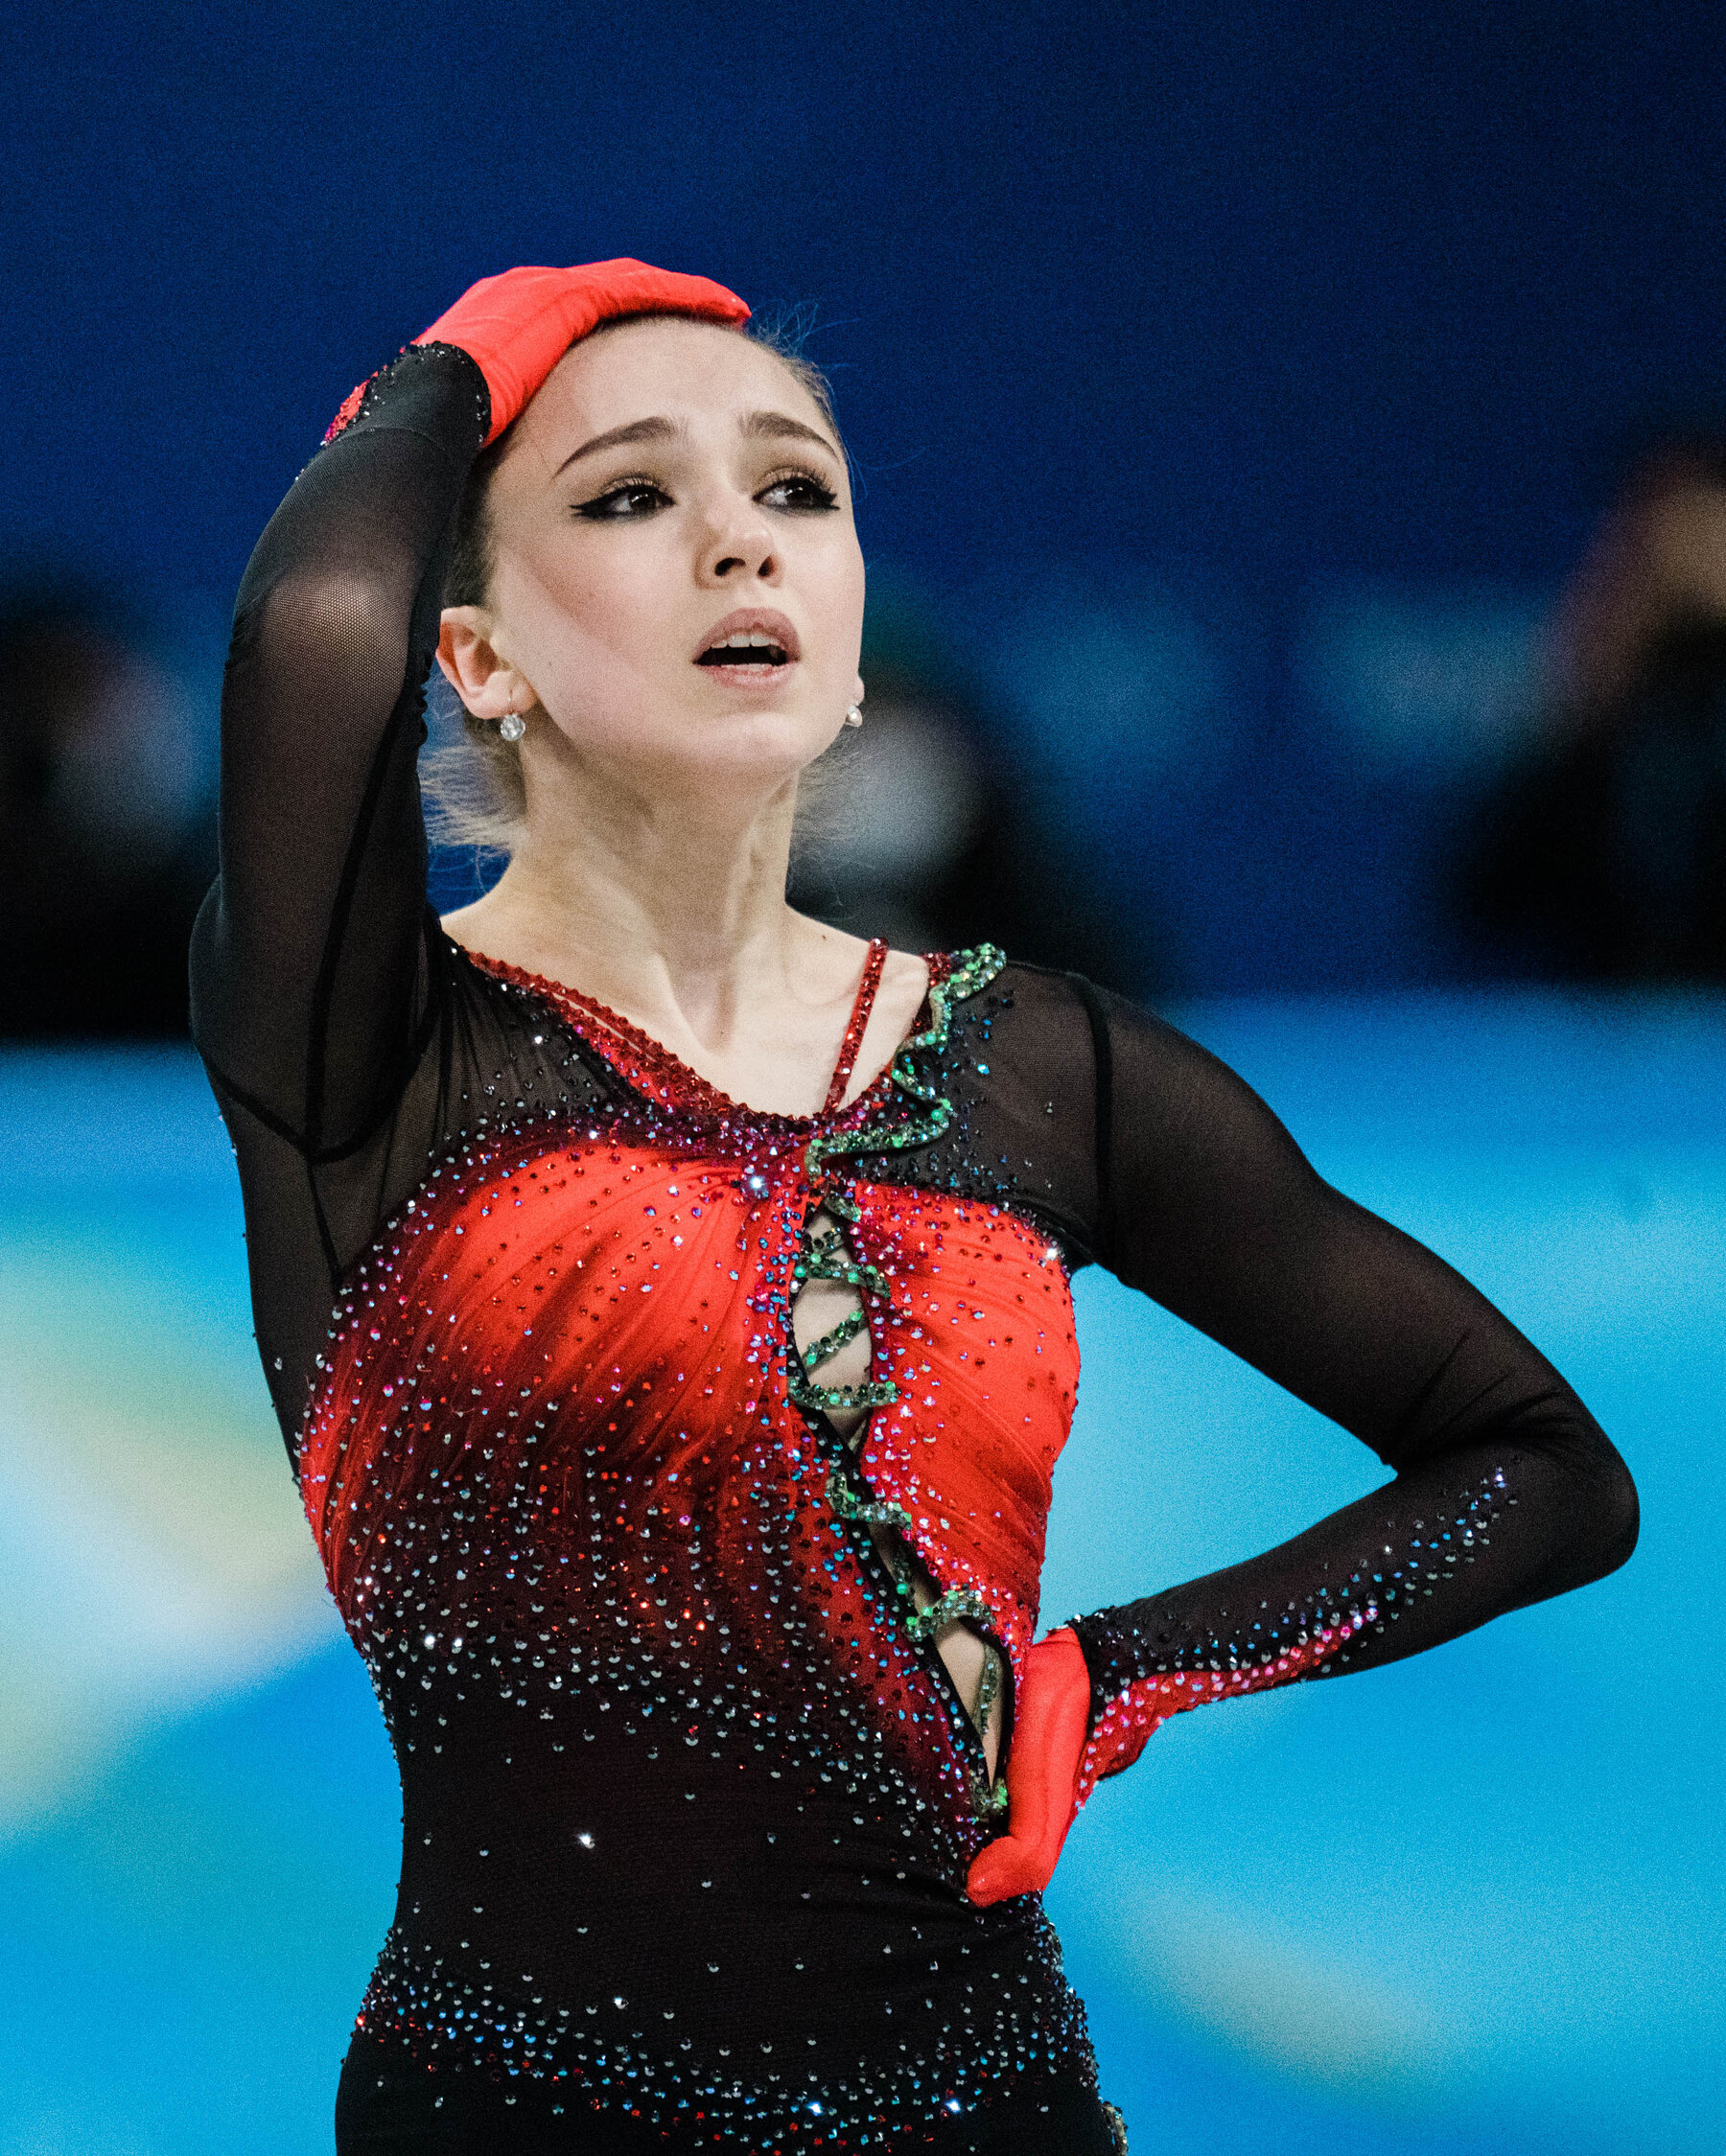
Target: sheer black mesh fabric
352	1047
1144	1152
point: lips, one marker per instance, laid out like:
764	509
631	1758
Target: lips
754	637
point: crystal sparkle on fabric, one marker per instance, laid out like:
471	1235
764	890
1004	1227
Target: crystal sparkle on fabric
591	1538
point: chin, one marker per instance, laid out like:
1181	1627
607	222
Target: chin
766	745
758	750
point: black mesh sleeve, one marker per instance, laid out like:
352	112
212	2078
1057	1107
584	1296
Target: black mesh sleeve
1506	1490
310	980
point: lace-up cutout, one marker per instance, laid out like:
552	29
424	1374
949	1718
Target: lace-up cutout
832	1346
834	1349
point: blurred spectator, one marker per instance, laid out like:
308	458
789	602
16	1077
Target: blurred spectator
107	826
1604	854
921	829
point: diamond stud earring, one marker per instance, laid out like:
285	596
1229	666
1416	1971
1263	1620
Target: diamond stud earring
852	716
512	726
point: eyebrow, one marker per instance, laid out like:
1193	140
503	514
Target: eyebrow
780	427
637	430
759	426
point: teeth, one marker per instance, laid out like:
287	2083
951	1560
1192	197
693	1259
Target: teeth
744	640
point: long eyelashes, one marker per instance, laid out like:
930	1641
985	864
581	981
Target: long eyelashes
633	499
813	493
625	499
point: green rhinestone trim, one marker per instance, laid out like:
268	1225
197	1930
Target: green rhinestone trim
830	1343
955	1603
868	1513
831	1259
988	1801
972	971
879	1392
826	1256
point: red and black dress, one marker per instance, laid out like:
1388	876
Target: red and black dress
689	1793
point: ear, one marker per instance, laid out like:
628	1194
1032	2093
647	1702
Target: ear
479	674
858	691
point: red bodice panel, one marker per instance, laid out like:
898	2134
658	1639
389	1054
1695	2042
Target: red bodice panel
599	1317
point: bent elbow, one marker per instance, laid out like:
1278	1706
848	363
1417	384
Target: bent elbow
1607	1535
339	632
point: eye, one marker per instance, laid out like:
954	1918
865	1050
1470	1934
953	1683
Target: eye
628	499
797	491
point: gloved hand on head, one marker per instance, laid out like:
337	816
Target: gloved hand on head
516	326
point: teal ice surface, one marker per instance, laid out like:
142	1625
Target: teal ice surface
187	1940
1466	1905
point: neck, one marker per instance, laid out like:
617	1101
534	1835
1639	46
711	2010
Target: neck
666	903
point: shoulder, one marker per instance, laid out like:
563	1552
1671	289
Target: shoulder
1067	1035
1024	1031
1047	1007
986	974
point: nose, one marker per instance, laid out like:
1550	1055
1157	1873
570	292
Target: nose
738	546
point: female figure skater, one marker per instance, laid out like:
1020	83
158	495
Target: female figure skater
679	1444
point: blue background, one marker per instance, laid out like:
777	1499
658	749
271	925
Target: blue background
1250	373
1243	379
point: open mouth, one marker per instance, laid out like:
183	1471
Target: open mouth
746	647
758	639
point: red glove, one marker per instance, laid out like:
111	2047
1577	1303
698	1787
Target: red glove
518	325
1054	1764
1050	1717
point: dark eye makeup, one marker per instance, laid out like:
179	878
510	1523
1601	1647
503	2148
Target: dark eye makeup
799	490
632	501
625	499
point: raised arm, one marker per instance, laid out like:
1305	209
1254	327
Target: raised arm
1506	1490
309	981
307	968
